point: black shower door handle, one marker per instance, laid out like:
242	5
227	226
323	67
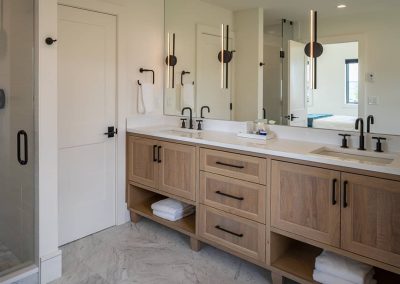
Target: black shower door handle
22	160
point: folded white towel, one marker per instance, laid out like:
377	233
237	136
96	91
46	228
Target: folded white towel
171	217
170	206
146	100
187	95
326	278
342	267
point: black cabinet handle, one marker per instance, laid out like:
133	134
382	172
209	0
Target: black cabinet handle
345	204
334	182
159	155
154	153
22	161
229	165
229	232
230	196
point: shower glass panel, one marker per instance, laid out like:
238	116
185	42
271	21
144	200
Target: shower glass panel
17	190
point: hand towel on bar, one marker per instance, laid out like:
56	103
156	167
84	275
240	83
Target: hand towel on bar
187	95
342	267
170	206
145	98
171	102
171	217
326	278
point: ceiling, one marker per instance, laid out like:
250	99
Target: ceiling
295	10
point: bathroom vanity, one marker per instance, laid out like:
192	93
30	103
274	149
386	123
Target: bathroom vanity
277	203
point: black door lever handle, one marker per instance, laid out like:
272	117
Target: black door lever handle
111	132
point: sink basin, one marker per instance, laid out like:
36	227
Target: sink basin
188	133
356	156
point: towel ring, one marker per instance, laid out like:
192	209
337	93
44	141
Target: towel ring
142	70
139	83
183	73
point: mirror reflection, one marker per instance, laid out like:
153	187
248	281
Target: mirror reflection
247	60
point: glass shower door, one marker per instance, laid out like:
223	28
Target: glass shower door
17	190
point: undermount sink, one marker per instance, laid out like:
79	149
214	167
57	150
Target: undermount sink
181	132
356	156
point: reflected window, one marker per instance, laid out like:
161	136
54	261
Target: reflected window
352	81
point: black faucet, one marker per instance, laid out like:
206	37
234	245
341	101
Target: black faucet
202	109
362	138
190	117
370	121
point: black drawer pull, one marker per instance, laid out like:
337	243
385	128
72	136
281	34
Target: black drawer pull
154	153
345	204
334	202
22	161
229	165
159	155
229	232
230	196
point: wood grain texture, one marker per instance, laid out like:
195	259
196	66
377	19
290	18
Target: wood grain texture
223	192
251	242
141	166
178	170
253	169
371	222
301	202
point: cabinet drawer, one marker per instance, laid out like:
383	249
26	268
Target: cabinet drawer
234	165
235	233
241	198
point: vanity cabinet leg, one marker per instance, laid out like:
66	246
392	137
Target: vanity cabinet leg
195	244
135	218
276	278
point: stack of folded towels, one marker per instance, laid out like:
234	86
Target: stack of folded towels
171	209
331	268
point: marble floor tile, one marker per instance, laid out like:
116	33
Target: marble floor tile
149	253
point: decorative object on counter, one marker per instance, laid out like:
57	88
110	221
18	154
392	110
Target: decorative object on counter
202	109
269	136
379	144
172	210
146	101
171	60
331	268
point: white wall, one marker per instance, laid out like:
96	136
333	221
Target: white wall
249	33
330	96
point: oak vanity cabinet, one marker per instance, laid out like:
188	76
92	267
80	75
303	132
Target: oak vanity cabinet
371	217
168	167
305	201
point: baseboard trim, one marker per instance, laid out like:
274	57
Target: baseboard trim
50	267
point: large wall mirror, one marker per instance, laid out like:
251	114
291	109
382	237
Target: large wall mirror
246	60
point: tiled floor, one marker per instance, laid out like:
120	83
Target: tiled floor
7	259
148	253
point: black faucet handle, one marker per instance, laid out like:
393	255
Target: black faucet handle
379	143
183	122
344	141
199	126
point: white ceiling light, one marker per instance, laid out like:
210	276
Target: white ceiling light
341	6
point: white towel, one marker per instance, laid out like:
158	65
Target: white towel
171	217
171	101
326	278
170	206
145	98
187	95
342	267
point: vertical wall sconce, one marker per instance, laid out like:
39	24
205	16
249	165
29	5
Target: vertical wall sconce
171	61
313	49
225	56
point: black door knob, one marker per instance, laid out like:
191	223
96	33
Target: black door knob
50	41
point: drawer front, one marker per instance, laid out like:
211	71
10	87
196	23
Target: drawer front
238	166
234	196
235	233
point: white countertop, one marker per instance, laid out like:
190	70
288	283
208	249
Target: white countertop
292	149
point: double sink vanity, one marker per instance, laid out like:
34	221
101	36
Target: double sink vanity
276	203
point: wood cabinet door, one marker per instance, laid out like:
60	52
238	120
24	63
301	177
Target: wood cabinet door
305	201
371	217
178	170
142	161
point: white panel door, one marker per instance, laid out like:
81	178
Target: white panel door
87	106
297	85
